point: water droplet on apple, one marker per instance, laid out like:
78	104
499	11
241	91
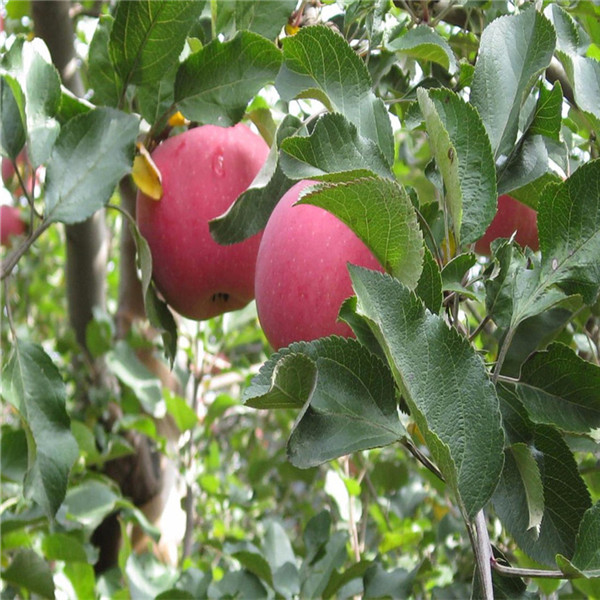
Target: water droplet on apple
218	163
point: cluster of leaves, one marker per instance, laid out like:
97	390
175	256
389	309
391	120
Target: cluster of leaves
487	371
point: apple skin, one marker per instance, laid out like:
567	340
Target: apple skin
511	215
11	224
301	271
203	171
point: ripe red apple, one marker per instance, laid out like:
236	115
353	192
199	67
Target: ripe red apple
301	271
511	216
203	171
11	224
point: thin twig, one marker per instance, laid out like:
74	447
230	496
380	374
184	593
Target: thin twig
9	263
480	327
424	460
483	556
502	354
541	573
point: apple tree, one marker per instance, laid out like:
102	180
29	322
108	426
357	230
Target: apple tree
445	444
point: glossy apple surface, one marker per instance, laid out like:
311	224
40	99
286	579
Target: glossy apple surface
203	171
301	271
511	216
11	224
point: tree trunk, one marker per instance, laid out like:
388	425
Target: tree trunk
87	242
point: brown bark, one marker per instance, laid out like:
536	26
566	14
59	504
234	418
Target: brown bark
87	242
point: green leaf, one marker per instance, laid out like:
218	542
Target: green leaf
464	157
557	387
584	76
32	384
347	395
532	483
13	454
527	163
280	555
90	501
587	547
315	575
29	571
333	148
251	558
82	578
264	18
424	43
352	406
93	152
429	287
184	416
319	63
443	381
513	51
565	499
250	212
455	274
61	546
547	119
31	64
238	584
13	127
381	214
569	230
104	78
380	583
156	98
130	370
147	37
570	36
157	311
215	84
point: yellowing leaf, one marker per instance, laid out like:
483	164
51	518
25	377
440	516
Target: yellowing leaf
177	119
146	174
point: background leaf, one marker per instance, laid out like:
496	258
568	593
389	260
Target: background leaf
587	551
380	212
264	18
513	51
93	152
318	62
423	42
443	381
215	84
29	571
32	384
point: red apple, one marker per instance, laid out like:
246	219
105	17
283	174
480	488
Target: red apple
203	171
301	271
511	216
11	224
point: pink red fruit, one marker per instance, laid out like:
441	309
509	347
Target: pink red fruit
301	271
511	216
11	224
203	171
